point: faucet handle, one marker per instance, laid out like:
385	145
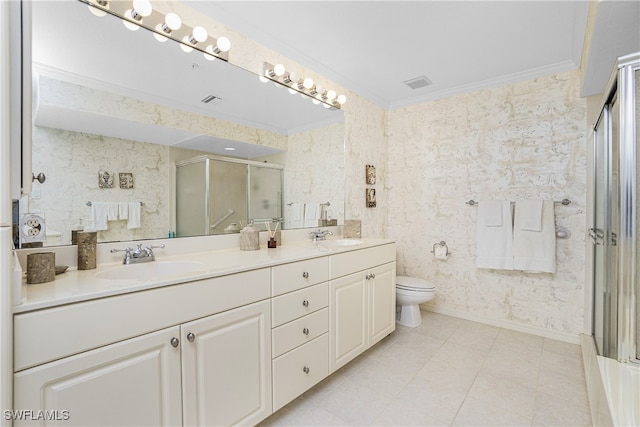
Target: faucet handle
127	250
161	246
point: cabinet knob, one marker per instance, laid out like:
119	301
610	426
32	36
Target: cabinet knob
191	337
367	277
175	342
305	274
305	303
373	275
305	370
305	331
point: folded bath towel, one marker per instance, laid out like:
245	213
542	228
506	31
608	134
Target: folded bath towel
112	211
134	215
535	251
297	215
123	210
99	213
528	215
494	242
311	214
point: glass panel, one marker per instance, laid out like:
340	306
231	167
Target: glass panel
228	195
637	281
265	194
613	229
597	233
191	198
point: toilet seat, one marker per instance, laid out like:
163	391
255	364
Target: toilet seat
413	284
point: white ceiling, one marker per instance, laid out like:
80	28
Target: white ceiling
372	47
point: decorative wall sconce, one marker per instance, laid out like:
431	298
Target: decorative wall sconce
140	13
306	86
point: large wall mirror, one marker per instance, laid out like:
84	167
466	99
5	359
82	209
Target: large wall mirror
116	110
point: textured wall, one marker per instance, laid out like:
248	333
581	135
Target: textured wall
524	140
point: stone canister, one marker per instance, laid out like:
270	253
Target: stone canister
87	241
41	267
249	239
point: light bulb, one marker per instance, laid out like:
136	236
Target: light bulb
326	105
210	55
263	79
98	11
142	8
342	99
294	77
292	91
307	83
172	22
315	101
186	47
331	95
320	89
199	35
130	25
159	37
223	44
279	70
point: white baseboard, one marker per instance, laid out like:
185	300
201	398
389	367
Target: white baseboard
501	323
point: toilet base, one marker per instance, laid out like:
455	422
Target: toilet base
410	316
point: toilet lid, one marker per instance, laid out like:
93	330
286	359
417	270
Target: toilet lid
406	282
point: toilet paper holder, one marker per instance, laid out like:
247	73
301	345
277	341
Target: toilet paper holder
442	243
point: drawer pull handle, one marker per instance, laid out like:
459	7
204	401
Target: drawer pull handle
191	337
305	303
305	331
305	274
175	342
305	370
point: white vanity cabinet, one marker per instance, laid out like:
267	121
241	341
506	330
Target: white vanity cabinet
133	382
300	343
362	301
226	367
205	369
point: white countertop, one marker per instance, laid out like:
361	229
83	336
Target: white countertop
82	285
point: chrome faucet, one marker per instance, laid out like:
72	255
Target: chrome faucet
139	255
320	235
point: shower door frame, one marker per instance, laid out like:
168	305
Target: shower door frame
623	306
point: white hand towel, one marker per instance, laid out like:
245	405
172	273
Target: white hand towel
123	210
112	211
535	251
311	214
99	215
490	213
134	215
297	218
495	243
528	215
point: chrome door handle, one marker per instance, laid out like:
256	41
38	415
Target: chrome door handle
305	331
175	342
191	337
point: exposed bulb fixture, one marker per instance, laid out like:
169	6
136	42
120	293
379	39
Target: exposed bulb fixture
198	35
331	95
222	45
128	24
342	99
98	11
292	91
263	79
307	83
141	8
171	23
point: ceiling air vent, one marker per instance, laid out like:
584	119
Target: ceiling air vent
211	99
418	82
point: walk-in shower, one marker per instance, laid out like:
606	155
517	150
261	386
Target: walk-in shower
616	215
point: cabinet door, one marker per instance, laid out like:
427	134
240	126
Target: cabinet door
133	382
226	366
382	302
348	316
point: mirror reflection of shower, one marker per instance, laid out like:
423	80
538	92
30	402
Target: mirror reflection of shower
218	195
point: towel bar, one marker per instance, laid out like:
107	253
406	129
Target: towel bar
564	202
89	203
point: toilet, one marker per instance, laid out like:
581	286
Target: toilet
410	293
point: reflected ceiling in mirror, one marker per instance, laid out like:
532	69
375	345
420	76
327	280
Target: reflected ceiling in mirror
141	81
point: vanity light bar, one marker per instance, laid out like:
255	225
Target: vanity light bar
163	27
306	86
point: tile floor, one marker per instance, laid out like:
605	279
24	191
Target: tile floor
450	372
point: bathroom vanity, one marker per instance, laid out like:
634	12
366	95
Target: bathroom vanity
230	338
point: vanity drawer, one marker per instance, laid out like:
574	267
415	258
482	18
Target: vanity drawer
293	305
297	275
353	261
300	331
299	370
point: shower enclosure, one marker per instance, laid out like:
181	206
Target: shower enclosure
616	214
216	195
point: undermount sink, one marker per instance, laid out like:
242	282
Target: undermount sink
151	270
337	243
